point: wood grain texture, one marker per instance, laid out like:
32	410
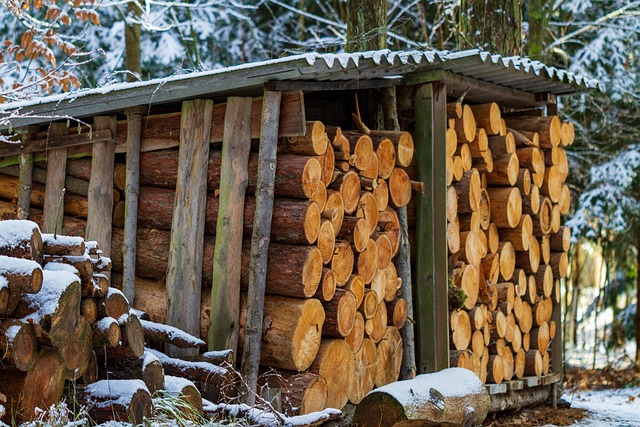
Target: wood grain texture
100	195
260	241
225	293
184	270
56	167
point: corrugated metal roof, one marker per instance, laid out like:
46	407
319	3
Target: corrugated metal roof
511	72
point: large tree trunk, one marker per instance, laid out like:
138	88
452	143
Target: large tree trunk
367	30
538	19
481	26
132	34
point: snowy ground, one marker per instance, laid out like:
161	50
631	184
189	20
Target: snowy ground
608	408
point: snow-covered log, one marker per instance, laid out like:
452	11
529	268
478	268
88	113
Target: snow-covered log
169	334
18	344
22	275
55	244
127	400
185	390
453	396
21	239
146	368
205	372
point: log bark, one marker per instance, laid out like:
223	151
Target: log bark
432	402
18	346
126	400
296	176
26	240
291	335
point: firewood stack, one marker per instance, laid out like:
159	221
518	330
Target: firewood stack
507	247
61	321
334	234
78	172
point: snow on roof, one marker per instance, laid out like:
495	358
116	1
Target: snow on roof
512	72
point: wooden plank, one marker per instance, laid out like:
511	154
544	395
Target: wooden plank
61	140
25	173
431	251
184	270
551	378
333	85
496	388
533	381
267	160
478	91
53	197
515	385
225	286
163	130
100	197
517	399
131	193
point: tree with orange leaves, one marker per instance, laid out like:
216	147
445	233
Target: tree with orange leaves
40	55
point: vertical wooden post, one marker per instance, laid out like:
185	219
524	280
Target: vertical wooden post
26	173
100	197
184	271
403	259
260	238
131	192
225	292
53	211
431	229
557	345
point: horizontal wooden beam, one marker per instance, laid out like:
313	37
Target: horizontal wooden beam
8	149
325	86
478	91
163	130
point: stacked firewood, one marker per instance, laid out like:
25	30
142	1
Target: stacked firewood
61	321
507	247
331	307
78	172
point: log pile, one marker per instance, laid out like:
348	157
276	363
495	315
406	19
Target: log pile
333	292
332	309
60	321
507	246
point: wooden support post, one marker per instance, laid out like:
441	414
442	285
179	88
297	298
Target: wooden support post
225	292
557	345
403	259
53	211
100	197
131	193
431	235
267	159
26	173
184	270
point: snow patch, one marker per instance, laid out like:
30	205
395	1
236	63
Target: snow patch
115	392
45	302
175	385
14	231
18	266
58	239
58	266
147	358
171	332
452	382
